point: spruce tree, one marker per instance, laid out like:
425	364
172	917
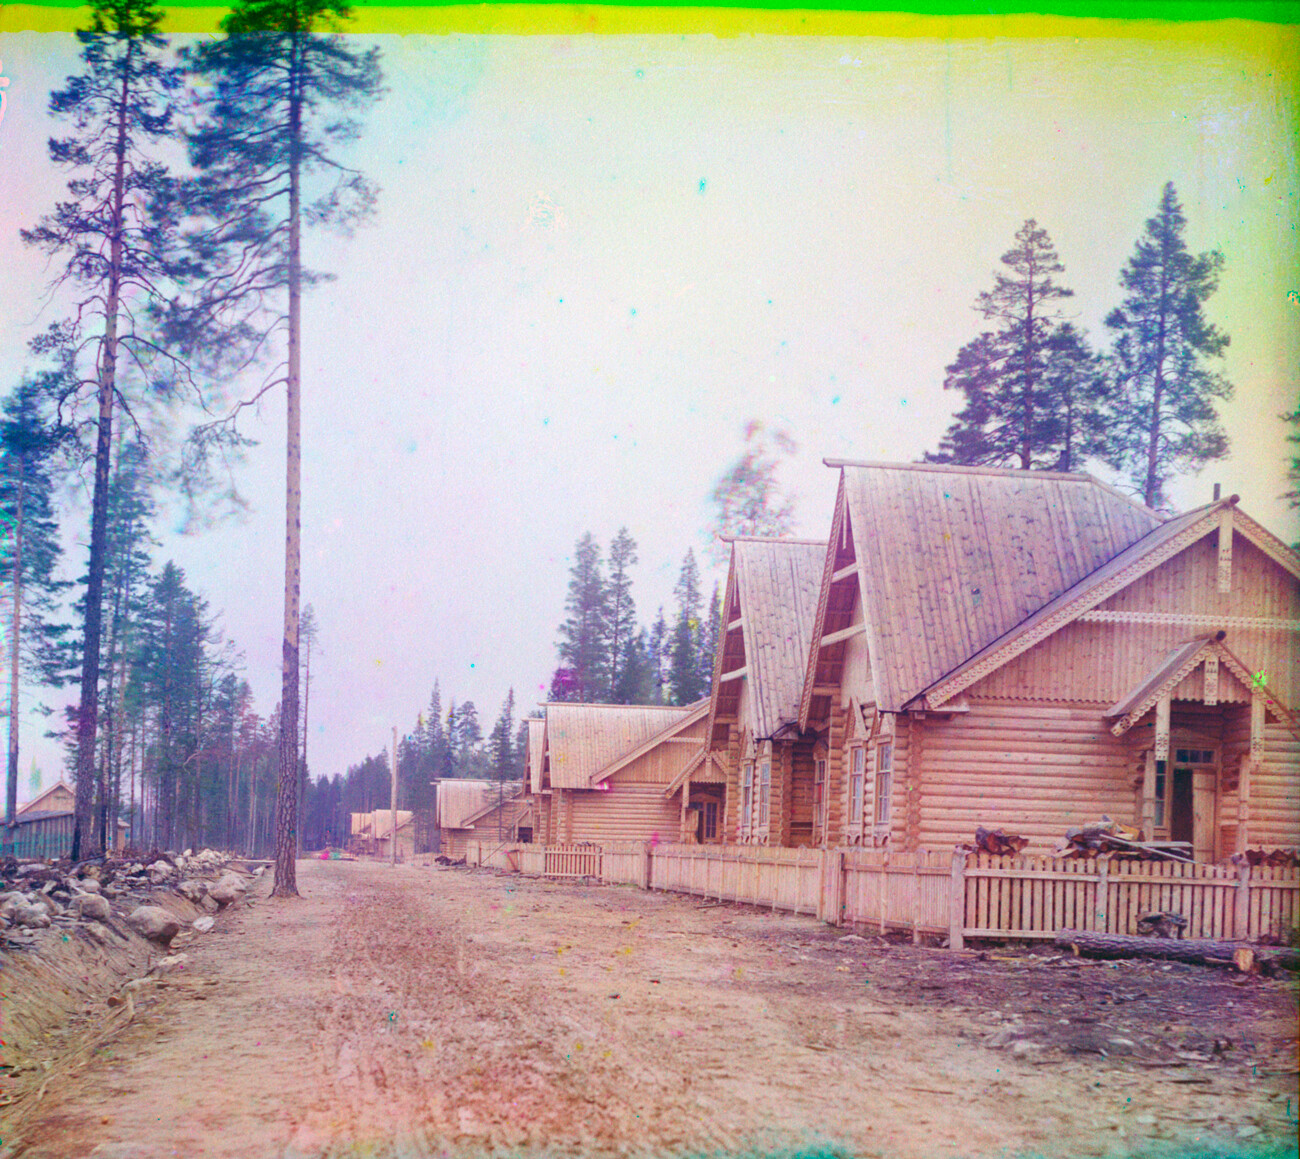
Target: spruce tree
1011	417
1164	421
29	445
684	678
282	86
584	636
622	612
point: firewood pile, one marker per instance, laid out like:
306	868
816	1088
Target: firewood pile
997	842
1107	836
1289	858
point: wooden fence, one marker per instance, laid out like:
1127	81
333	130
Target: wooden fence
958	894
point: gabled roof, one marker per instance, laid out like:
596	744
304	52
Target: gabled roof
1180	661
39	803
582	739
505	796
776	582
536	752
457	799
1147	553
378	824
950	559
694	714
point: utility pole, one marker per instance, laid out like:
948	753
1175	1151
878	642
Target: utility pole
394	797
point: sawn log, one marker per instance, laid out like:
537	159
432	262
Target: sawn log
1177	949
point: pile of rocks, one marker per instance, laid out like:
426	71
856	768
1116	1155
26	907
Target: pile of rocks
95	896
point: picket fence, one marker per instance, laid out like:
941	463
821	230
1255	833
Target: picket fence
958	895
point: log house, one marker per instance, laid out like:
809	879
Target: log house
1033	650
620	772
775	775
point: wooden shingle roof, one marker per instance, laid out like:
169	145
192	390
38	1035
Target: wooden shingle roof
777	582
459	799
582	739
952	558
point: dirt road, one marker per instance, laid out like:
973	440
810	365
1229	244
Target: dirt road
412	1012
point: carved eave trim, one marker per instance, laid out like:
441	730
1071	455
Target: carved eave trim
1190	620
1257	683
1162	690
945	689
1266	541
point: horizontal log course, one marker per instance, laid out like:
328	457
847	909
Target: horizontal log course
1198	950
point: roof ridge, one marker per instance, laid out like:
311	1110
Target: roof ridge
772	539
956	469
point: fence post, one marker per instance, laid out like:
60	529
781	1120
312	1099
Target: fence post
1241	911
1103	894
957	901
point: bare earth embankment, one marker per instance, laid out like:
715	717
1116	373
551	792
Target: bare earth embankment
412	1012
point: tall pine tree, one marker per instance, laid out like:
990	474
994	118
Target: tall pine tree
1012	415
1164	421
282	88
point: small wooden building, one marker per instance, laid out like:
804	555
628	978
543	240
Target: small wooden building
481	810
767	616
43	826
371	834
1033	650
615	772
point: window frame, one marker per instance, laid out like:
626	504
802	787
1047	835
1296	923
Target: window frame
857	785
884	783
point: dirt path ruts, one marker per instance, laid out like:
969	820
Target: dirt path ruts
416	1013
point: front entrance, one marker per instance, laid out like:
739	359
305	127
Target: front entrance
1193	799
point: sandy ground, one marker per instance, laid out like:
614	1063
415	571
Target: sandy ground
418	1012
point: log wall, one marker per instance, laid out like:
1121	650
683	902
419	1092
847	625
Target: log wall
1032	769
628	812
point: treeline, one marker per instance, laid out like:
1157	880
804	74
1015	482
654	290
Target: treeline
1039	395
606	657
180	755
440	746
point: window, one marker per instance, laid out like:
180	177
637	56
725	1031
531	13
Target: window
746	796
710	820
884	776
858	761
819	794
1195	756
764	791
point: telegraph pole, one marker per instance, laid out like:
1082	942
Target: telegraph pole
394	797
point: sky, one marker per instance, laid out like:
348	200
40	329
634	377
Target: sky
595	258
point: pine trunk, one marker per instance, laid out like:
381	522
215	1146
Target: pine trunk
87	710
11	783
286	821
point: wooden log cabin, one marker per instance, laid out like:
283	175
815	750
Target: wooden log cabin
767	615
480	810
616	772
1033	650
